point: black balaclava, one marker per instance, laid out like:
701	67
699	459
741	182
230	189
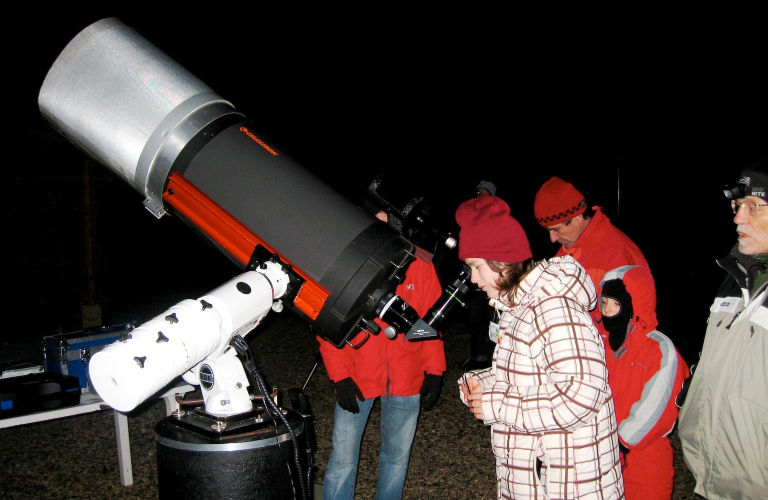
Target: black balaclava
617	325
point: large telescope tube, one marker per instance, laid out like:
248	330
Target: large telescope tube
132	108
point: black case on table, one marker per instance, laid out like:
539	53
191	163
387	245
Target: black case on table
37	392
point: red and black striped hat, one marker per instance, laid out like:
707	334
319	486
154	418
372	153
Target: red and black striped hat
558	201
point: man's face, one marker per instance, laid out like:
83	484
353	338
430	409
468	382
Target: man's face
566	233
752	229
483	192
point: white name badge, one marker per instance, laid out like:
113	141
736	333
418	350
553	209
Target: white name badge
493	332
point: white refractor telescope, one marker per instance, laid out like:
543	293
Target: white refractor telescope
192	155
191	338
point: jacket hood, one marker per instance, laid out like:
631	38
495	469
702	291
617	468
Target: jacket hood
640	285
559	276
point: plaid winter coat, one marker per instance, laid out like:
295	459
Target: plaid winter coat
546	395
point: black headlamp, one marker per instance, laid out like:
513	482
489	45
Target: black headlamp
753	181
735	191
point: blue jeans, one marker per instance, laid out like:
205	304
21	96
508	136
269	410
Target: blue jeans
399	415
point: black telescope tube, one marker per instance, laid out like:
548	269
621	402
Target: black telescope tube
136	111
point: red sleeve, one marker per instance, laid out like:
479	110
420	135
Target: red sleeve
337	360
653	413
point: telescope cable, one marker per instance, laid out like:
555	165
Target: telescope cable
244	353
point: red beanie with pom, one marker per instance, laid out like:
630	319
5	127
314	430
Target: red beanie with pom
557	201
489	232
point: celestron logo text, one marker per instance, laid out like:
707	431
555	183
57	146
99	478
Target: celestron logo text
259	141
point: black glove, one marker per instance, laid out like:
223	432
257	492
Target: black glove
623	449
432	385
623	452
680	399
346	390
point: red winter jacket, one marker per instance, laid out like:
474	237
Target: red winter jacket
392	367
600	248
645	374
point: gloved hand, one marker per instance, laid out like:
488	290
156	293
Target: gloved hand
623	449
623	452
680	399
346	390
432	385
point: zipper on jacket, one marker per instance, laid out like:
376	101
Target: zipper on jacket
728	326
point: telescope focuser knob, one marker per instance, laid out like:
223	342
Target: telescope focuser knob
390	332
370	325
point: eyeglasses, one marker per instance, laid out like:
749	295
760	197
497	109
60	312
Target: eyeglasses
752	207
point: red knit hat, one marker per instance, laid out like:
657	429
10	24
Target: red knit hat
489	232
557	201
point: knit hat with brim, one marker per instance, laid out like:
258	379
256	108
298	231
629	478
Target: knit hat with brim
557	201
489	232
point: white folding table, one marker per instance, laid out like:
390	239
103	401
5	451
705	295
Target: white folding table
90	403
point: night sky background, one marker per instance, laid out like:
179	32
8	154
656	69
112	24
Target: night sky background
648	116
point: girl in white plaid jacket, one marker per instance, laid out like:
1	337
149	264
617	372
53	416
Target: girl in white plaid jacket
546	396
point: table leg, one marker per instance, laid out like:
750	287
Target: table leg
123	448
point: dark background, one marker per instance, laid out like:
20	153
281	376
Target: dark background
648	119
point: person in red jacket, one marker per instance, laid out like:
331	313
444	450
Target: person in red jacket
646	374
585	233
397	372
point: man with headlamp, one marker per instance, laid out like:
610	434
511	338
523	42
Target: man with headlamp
723	420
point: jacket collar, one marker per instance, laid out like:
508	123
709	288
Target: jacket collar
595	223
740	266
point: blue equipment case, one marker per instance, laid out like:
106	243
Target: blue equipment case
69	353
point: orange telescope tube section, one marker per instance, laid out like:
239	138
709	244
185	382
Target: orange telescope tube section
234	237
